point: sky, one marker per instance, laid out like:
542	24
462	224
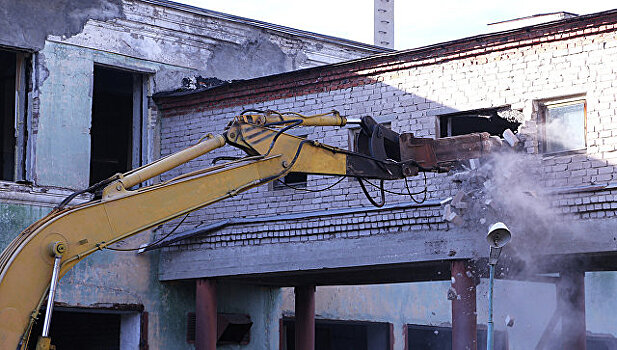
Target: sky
416	23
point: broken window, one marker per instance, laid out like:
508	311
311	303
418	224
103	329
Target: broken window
564	125
12	115
341	335
437	338
492	120
117	109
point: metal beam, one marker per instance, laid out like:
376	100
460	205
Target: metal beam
305	317
464	317
205	314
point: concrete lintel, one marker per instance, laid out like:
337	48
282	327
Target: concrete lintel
415	246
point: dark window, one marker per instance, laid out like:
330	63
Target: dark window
116	122
8	66
341	335
81	330
231	328
494	121
564	126
420	337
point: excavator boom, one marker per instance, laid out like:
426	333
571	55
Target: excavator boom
71	233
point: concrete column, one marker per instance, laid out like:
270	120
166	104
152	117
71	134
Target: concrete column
571	305
205	314
464	317
305	317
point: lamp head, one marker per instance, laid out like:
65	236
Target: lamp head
498	235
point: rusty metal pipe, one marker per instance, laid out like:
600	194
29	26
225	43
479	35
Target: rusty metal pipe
205	314
305	317
464	317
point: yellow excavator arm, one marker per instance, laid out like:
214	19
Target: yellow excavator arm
70	233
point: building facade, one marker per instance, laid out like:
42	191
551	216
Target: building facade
395	272
77	80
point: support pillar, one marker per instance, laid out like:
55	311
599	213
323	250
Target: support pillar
464	317
571	304
305	317
205	314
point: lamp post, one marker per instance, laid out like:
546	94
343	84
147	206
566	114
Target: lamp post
498	236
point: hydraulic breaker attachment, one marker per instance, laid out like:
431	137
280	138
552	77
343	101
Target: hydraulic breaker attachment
421	154
440	154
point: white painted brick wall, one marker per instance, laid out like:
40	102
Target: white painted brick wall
412	99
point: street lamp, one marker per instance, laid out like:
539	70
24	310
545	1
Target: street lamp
498	236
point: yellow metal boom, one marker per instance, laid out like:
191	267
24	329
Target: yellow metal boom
71	233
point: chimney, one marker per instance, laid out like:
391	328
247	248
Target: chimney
384	23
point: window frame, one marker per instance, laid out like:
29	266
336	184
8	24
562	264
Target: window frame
543	108
21	116
140	133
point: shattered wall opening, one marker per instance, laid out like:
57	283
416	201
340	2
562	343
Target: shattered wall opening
8	66
492	120
116	122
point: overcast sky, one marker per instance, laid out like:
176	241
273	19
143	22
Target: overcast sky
416	23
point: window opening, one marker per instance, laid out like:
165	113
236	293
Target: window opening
115	133
564	126
494	121
8	67
437	338
341	335
74	330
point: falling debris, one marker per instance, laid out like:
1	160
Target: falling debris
509	321
457	201
452	294
474	163
450	216
510	138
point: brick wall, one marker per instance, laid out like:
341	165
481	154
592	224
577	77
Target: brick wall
411	89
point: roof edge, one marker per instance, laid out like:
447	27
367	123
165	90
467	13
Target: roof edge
266	25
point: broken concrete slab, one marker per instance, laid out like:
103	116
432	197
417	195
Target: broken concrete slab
510	138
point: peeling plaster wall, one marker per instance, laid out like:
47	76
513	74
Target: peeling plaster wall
27	23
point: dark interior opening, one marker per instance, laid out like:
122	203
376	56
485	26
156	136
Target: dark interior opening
71	330
342	335
293	179
8	62
231	328
112	123
489	120
438	338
